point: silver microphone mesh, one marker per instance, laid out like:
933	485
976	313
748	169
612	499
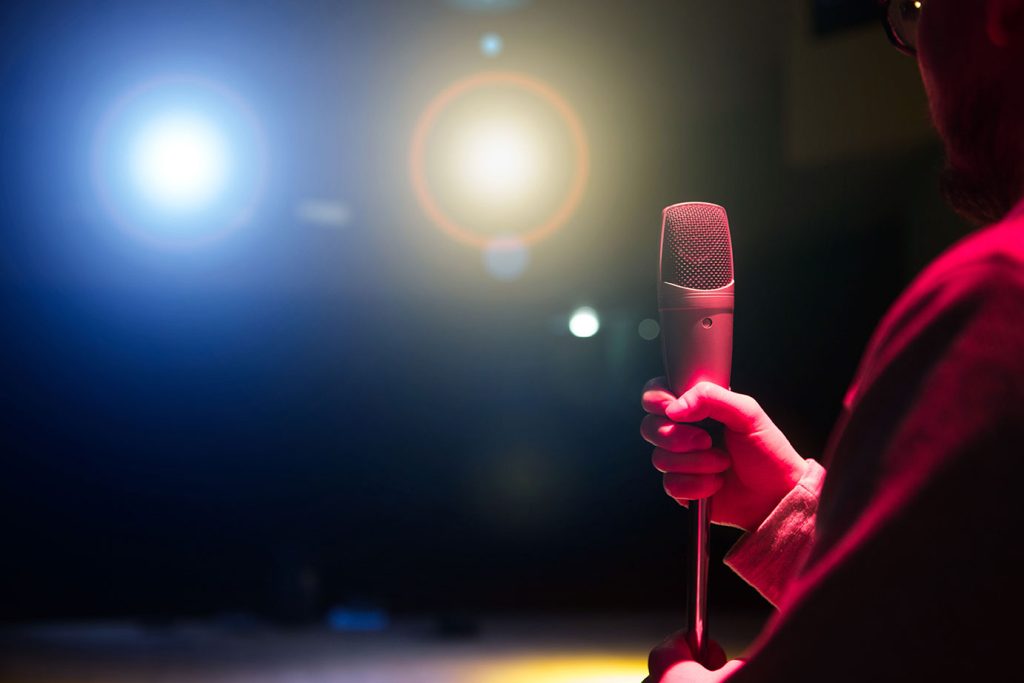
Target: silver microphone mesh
696	251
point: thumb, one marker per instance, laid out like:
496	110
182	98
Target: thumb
738	412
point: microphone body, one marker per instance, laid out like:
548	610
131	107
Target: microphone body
696	331
696	294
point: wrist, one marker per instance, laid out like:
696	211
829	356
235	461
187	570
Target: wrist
789	478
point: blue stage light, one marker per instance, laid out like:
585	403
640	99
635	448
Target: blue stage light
179	162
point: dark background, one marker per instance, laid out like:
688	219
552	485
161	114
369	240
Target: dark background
298	417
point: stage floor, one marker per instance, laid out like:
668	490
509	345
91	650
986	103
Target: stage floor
502	650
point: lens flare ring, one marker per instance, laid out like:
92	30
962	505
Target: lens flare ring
425	124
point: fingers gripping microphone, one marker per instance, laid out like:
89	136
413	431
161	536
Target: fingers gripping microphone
695	301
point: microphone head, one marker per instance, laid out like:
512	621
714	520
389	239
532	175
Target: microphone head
696	251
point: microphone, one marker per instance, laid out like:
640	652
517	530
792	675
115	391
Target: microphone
696	291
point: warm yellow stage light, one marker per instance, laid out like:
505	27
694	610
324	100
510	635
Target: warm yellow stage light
504	163
498	161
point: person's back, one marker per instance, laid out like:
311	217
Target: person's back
915	565
905	563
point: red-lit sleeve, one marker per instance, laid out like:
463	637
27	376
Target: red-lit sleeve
770	556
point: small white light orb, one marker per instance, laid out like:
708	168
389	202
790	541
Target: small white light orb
584	322
180	161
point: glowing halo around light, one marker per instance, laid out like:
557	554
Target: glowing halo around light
179	161
463	87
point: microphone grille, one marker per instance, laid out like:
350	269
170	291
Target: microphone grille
696	251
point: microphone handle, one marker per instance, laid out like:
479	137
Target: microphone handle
700	534
697	590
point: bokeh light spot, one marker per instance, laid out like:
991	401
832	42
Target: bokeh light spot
328	213
506	258
584	322
649	329
491	45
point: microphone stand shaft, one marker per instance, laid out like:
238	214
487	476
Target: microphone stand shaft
697	597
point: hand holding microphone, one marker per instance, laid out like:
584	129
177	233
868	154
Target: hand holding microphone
747	475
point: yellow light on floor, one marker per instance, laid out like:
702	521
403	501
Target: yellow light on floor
574	669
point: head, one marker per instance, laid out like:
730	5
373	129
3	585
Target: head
971	57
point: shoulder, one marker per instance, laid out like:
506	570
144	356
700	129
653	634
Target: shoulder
976	286
991	258
987	263
944	370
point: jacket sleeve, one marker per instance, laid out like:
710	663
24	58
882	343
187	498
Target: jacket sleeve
768	557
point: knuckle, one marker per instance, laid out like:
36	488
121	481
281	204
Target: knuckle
658	460
707	389
700	390
653	403
669	486
753	411
749	402
649	427
645	425
711	483
678	485
664	460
